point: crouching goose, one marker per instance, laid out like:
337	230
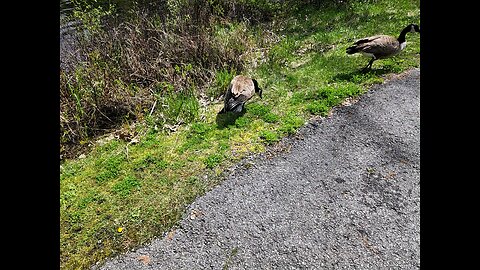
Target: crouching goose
381	46
240	90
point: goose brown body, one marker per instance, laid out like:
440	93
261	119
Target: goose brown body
240	90
379	46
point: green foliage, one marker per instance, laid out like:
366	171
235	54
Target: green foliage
270	117
242	122
68	194
196	137
178	107
213	160
158	162
222	81
200	128
320	101
258	109
253	10
290	123
125	187
92	196
269	136
68	171
109	169
90	13
222	146
192	143
318	108
280	55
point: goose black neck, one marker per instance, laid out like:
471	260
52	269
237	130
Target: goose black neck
404	32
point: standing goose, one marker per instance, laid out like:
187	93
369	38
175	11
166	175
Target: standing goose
240	90
381	46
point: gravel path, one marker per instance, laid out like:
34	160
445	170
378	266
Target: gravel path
344	194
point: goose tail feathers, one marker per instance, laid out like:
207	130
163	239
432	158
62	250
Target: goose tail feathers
352	49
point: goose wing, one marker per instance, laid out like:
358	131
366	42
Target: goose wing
367	40
232	103
380	46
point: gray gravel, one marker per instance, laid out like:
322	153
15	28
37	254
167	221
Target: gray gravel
344	194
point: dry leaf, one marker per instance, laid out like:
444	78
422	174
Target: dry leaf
390	175
170	235
144	258
195	213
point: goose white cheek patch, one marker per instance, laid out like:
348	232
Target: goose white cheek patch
402	45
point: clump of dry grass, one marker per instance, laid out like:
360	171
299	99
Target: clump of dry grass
122	71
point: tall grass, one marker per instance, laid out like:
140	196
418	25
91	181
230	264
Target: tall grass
114	75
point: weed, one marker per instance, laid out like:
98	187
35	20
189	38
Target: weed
68	171
290	123
222	146
229	258
242	122
124	187
178	164
269	136
222	81
213	160
270	117
178	107
319	108
258	109
110	169
200	128
158	162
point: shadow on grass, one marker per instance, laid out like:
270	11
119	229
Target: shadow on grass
224	120
353	76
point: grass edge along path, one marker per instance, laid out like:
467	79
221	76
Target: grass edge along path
124	193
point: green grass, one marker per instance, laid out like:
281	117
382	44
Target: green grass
144	187
222	80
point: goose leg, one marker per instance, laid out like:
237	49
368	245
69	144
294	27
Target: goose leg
369	65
